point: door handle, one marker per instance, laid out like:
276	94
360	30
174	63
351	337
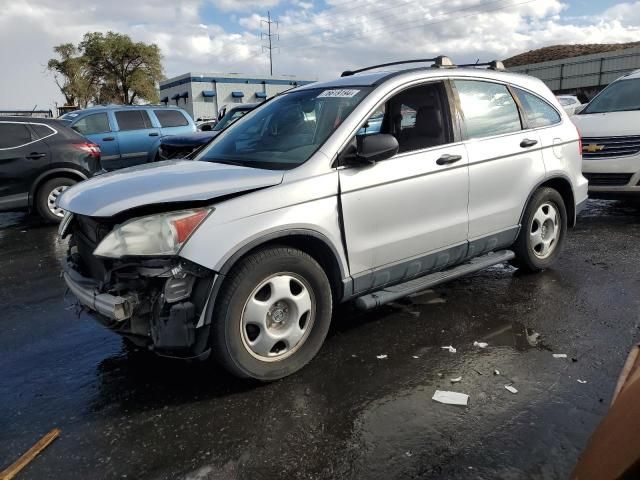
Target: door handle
526	143
447	159
108	139
154	134
35	155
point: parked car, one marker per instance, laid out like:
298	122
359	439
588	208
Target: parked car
610	126
570	103
39	159
183	146
129	135
244	252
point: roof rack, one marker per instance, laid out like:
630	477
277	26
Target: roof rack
439	62
492	65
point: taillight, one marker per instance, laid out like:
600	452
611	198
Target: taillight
89	148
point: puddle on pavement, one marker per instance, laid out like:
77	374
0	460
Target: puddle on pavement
515	335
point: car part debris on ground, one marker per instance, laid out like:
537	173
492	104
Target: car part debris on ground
450	398
381	357
559	355
456	380
480	344
582	381
450	348
496	372
511	388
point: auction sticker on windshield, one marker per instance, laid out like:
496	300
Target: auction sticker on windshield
343	93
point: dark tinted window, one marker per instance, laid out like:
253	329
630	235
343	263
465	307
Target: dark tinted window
91	124
537	112
133	120
42	130
13	135
488	108
171	118
620	96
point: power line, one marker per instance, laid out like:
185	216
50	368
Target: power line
270	36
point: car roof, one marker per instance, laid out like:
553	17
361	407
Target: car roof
23	119
100	108
634	74
380	77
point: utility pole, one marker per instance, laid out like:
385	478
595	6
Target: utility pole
269	36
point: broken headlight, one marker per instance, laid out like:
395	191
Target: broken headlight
155	235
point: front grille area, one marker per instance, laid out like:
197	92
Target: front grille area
87	234
608	179
605	147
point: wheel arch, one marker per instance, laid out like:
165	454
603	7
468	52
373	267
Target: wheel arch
61	172
563	186
315	244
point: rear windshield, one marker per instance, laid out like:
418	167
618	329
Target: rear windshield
284	132
620	96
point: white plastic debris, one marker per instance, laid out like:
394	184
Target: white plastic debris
381	357
450	398
415	356
511	388
450	348
496	372
559	355
456	380
582	381
480	344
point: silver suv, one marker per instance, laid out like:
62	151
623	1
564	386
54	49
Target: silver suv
305	203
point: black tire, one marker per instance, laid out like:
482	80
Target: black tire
228	340
42	197
526	258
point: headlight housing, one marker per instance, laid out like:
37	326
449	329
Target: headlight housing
155	235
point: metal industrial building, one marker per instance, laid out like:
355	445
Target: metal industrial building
584	75
203	94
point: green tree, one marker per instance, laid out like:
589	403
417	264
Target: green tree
72	76
107	68
127	71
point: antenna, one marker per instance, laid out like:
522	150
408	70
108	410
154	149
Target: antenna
269	36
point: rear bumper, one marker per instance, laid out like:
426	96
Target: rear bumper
87	293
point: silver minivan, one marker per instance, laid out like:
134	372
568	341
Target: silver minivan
368	188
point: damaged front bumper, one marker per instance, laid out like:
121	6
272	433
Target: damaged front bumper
162	307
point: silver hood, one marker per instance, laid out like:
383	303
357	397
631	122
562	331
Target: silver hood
162	182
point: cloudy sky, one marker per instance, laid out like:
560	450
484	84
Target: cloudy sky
317	38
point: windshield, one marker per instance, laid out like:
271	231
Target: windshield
229	118
286	131
620	96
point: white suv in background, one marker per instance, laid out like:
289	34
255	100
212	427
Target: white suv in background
570	103
610	128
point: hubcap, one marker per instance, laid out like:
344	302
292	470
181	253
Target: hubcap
51	200
277	317
544	232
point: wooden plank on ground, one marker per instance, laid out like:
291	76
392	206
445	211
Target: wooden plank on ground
29	455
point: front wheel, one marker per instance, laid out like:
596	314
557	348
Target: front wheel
543	231
47	196
272	315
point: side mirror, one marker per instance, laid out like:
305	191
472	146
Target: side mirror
370	149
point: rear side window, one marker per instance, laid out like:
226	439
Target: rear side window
488	108
91	124
171	118
133	120
14	135
42	130
537	112
563	101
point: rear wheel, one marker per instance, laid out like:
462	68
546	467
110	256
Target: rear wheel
543	231
272	315
47	196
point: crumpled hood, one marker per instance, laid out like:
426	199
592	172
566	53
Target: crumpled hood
162	182
610	124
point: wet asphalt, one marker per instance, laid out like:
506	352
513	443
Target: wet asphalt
348	414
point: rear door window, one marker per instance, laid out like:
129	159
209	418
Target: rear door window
92	124
13	135
537	112
171	118
488	108
133	120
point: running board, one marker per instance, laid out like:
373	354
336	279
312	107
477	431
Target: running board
389	294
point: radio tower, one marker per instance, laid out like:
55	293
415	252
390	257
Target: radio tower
270	36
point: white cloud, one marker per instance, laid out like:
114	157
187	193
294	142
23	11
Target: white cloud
316	44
